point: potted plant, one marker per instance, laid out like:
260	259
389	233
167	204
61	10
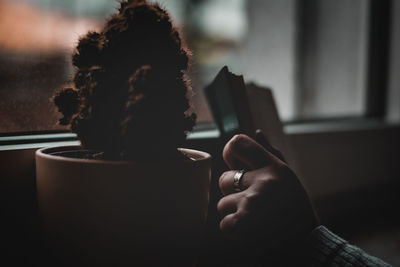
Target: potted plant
128	194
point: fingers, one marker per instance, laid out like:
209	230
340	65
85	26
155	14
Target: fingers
249	178
228	204
238	209
228	208
242	152
230	224
226	182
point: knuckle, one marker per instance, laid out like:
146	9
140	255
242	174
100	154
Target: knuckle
265	182
250	199
267	185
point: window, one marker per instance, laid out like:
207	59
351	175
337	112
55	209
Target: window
316	55
322	58
333	51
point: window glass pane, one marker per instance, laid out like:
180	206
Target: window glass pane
333	56
315	62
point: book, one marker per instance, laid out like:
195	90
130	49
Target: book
242	108
227	99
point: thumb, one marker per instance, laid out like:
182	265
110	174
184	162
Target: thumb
242	152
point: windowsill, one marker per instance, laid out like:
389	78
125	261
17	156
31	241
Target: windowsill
204	132
340	125
312	127
34	141
38	145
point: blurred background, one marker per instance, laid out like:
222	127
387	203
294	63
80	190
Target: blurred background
333	66
316	55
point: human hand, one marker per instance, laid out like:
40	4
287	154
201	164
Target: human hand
272	208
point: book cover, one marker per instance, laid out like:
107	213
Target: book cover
229	105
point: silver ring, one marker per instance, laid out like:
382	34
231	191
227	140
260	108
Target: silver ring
237	178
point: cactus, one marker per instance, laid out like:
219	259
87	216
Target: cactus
130	94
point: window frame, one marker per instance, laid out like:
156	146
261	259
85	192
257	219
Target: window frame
379	20
378	57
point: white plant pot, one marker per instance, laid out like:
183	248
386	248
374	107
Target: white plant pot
115	213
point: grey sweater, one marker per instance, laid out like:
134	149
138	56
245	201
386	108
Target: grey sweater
323	248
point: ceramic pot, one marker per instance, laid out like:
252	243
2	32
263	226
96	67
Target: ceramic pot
97	212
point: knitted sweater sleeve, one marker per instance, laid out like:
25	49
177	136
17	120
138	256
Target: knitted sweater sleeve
323	248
